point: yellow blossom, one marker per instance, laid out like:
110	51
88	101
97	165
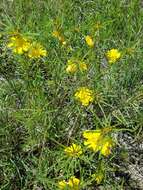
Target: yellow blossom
93	139
98	141
82	66
36	51
113	55
62	184
84	95
74	150
74	65
72	184
98	177
71	67
19	44
89	41
106	147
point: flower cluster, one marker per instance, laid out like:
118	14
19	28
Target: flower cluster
20	45
72	184
74	65
98	141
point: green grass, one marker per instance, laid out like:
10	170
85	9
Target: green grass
39	115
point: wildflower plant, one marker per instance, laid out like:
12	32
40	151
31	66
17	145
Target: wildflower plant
62	107
74	66
98	141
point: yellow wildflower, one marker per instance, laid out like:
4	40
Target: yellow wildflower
62	184
71	67
89	41
72	184
74	65
36	51
73	150
98	141
98	177
106	147
82	66
84	95
93	139
113	55
19	44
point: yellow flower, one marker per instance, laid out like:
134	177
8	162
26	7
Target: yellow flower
73	150
93	139
84	95
36	51
106	147
71	67
97	141
72	184
98	177
82	66
19	44
62	184
113	55
89	41
74	65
